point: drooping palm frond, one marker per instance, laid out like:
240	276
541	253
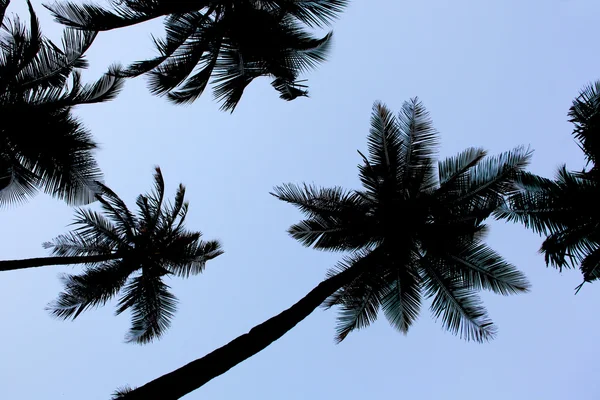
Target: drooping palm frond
418	229
93	288
460	309
401	295
137	252
152	306
230	43
42	145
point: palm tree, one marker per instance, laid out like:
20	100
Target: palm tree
564	210
130	254
232	41
415	228
42	145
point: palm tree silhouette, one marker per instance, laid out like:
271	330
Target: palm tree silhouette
128	254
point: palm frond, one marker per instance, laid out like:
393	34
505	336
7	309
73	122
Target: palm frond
384	139
453	170
482	268
117	211
590	266
359	300
192	260
567	247
152	307
495	177
94	18
419	147
460	309
314	201
314	13
94	227
73	244
17	183
104	89
93	288
199	52
401	299
337	218
150	204
179	28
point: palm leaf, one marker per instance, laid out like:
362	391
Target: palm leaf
401	299
152	307
93	288
590	266
459	307
482	268
73	244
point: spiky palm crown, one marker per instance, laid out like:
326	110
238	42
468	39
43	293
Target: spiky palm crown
416	228
143	248
565	209
42	145
233	42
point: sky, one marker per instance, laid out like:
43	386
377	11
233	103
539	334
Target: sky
495	74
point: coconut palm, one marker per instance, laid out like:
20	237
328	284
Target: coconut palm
233	42
415	228
128	254
42	145
564	209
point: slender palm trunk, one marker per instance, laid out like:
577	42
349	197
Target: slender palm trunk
10	265
190	377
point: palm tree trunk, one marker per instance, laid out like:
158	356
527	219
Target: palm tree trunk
190	377
10	265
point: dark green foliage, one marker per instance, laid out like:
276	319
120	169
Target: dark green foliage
144	247
418	226
565	209
233	42
42	146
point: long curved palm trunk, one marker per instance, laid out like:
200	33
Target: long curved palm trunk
191	376
10	265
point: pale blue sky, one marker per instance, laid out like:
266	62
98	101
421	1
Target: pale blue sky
494	74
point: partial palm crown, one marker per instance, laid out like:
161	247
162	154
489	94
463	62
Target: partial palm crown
131	254
42	146
415	228
233	41
565	210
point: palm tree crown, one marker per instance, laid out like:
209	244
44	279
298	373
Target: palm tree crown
42	146
232	41
140	251
564	209
416	228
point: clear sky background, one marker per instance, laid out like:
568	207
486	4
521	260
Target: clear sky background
495	74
